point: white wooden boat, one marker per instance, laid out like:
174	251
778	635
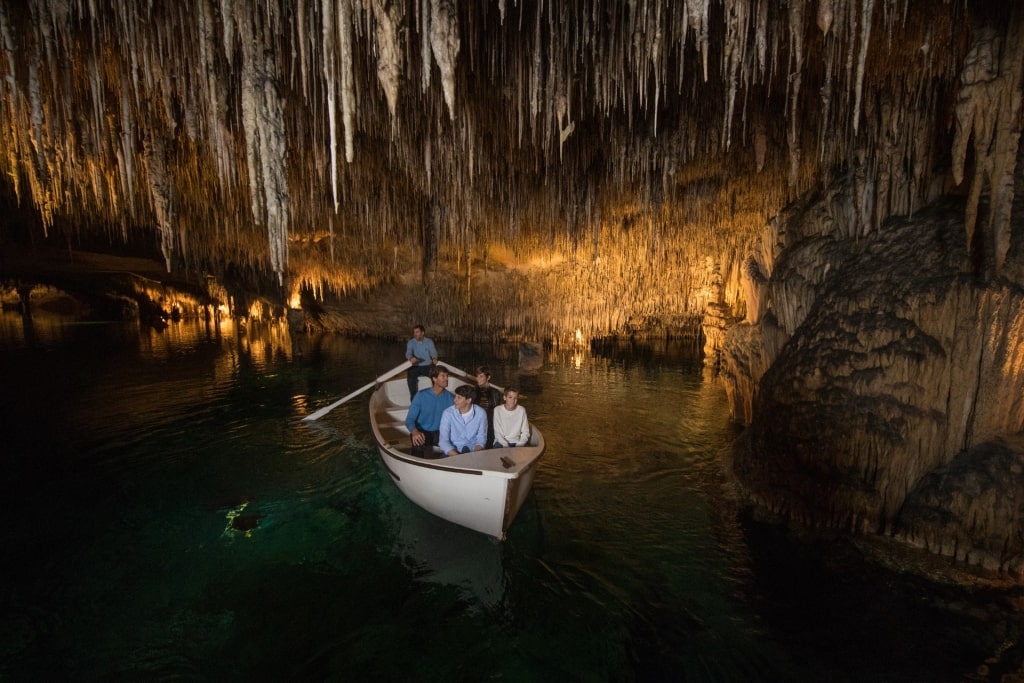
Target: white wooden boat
482	490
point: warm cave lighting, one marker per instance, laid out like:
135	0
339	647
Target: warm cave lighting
294	301
579	337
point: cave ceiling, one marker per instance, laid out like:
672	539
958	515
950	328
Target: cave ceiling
326	144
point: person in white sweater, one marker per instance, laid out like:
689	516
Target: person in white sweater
511	428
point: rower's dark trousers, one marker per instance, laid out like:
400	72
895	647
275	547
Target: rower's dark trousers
413	375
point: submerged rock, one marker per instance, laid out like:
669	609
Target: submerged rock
245	522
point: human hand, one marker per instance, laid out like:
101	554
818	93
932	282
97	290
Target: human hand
418	437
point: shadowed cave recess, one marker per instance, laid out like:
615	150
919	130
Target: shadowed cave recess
821	192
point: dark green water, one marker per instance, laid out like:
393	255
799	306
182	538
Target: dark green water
167	517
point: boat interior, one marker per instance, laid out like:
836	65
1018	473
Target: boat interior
390	404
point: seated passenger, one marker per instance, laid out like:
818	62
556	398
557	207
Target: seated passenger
511	427
487	397
424	417
464	425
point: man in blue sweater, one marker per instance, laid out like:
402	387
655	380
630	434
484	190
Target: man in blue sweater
424	417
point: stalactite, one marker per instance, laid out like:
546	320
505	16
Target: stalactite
425	59
867	14
160	194
301	29
330	78
697	19
266	146
9	102
796	32
761	37
343	24
535	72
988	113
388	18
444	44
825	123
733	56
825	16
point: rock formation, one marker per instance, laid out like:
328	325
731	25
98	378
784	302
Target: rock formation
885	395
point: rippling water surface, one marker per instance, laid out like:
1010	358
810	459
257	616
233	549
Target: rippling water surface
169	517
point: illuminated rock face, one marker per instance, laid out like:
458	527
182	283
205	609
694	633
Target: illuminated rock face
897	400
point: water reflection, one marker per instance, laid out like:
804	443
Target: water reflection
438	552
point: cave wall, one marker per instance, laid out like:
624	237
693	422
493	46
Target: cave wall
884	383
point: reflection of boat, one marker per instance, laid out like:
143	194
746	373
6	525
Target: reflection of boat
435	552
482	490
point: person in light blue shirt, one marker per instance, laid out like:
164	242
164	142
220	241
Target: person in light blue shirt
421	352
424	417
464	425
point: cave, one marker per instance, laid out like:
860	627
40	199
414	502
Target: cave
823	193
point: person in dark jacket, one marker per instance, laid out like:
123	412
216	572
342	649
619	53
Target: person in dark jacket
487	397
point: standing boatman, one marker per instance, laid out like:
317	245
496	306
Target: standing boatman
421	352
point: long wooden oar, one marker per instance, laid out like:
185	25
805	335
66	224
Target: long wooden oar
383	378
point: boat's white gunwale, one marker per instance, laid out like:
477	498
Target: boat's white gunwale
430	464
